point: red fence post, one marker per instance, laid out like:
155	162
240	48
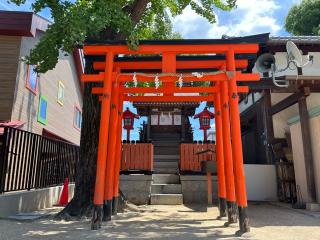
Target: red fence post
181	164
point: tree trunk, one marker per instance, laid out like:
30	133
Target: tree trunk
82	202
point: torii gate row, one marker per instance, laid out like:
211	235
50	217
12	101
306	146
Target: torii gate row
224	94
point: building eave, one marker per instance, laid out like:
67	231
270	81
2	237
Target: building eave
24	24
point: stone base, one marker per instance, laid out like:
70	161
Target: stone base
194	189
136	188
12	203
314	207
166	199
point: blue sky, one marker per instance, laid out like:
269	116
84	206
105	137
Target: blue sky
250	17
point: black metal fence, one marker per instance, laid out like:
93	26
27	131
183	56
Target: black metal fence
29	160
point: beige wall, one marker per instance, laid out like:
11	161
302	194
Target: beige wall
9	55
298	157
280	119
298	161
60	118
315	142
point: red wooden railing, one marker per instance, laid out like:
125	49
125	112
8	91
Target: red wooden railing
137	157
189	160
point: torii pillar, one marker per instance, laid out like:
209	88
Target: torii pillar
227	152
111	159
220	158
118	150
98	199
238	169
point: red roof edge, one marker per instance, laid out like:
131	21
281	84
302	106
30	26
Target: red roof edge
14	124
24	24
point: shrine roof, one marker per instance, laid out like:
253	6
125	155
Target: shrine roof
258	38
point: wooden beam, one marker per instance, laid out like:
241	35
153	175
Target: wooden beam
169	98
307	149
287	102
268	124
301	78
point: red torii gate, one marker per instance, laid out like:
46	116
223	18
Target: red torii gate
223	91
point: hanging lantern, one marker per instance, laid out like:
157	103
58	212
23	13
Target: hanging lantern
204	117
128	121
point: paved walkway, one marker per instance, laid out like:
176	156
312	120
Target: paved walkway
269	222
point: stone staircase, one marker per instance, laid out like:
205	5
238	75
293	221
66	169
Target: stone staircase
166	190
166	187
166	164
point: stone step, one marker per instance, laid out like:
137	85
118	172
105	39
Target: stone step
166	150
165	135
165	164
166	160
166	178
166	199
166	189
166	170
167	157
166	143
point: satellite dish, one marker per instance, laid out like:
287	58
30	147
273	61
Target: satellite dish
294	54
265	62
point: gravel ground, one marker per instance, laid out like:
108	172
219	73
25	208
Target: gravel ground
268	222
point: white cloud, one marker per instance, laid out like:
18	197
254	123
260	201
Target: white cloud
250	17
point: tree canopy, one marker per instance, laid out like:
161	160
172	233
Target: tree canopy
76	21
304	18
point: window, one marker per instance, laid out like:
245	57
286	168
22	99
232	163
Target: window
60	97
127	122
77	118
42	110
32	79
205	121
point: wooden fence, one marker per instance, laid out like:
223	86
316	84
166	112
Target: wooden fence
137	157
29	160
189	160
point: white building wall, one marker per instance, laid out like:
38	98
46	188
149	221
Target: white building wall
25	103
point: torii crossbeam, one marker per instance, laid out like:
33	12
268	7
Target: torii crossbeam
219	65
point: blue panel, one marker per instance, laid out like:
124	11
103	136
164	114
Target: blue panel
32	79
43	109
